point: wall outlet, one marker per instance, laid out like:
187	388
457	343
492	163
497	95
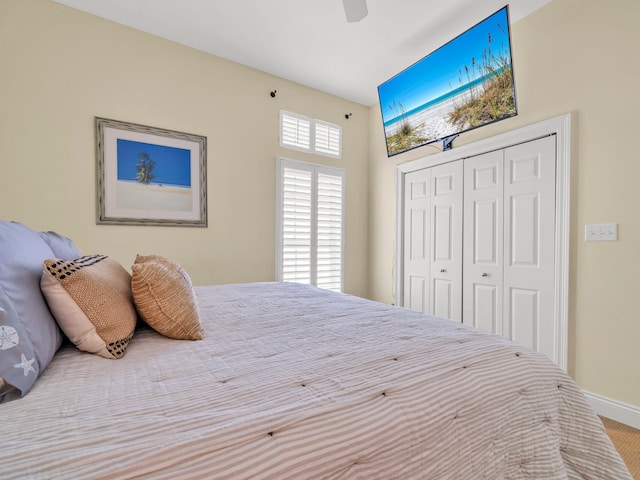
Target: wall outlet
601	232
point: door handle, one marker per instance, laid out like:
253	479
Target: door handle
442	270
485	274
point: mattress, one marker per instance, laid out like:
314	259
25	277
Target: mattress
291	381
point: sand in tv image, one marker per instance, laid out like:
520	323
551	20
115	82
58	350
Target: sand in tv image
153	177
464	84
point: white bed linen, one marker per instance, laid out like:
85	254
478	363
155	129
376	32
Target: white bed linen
295	382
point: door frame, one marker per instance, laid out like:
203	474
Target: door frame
561	128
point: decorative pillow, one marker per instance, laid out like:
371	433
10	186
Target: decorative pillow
61	246
17	368
22	252
90	297
164	297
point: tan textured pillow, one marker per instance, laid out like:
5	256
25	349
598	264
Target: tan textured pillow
164	297
90	298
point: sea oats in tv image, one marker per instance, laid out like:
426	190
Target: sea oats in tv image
462	85
153	177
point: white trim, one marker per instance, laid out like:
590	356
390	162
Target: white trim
561	128
614	410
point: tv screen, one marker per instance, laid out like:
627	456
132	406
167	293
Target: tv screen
466	83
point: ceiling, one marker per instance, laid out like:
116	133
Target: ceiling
309	41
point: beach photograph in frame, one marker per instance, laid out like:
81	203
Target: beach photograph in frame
463	85
149	176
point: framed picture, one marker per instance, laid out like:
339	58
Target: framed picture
149	176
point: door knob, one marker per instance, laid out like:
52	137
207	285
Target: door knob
485	274
442	270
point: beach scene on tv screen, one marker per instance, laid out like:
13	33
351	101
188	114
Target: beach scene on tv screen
464	84
153	177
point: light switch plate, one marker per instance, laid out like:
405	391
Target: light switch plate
601	232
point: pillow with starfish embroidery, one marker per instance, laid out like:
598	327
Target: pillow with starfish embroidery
25	318
18	369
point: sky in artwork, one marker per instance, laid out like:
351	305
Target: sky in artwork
173	165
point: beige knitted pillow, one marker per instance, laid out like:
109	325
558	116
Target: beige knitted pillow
90	298
164	297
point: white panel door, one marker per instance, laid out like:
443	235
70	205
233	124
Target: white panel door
515	236
529	248
509	243
483	241
416	241
445	288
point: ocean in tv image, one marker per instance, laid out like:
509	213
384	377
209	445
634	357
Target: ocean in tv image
464	84
153	177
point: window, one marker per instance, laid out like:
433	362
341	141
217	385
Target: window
327	139
310	224
310	135
295	131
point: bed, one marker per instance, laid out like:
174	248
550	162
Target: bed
291	381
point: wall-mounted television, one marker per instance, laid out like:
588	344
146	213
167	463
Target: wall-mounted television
465	84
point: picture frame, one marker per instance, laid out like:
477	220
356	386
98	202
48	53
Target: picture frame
149	176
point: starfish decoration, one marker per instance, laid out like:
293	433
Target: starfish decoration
26	365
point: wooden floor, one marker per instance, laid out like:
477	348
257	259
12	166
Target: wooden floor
627	442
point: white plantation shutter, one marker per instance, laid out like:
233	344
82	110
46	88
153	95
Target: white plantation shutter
295	131
327	139
329	237
310	135
310	224
296	225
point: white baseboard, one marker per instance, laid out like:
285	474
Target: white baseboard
615	410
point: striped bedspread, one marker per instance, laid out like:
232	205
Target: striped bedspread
293	382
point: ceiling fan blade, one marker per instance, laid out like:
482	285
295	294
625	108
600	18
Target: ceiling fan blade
355	10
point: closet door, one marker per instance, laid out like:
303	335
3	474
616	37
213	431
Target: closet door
529	244
446	241
416	239
509	243
432	241
483	241
514	236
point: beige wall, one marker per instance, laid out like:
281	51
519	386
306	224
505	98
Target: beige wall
579	57
60	67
